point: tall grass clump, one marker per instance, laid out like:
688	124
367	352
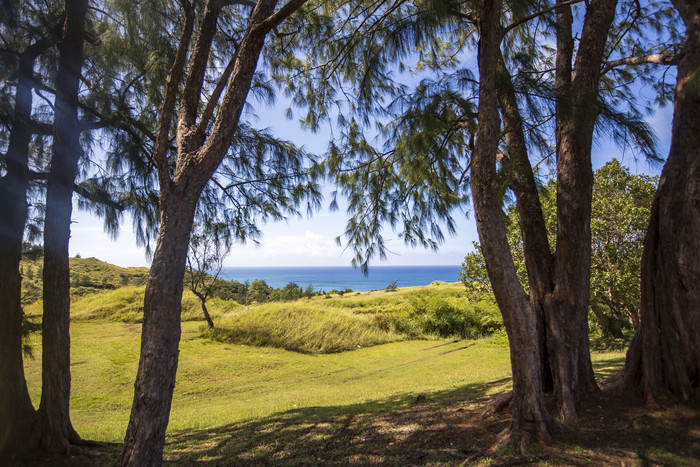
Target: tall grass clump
125	304
444	316
300	327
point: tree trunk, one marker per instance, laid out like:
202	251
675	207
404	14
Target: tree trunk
55	429
16	410
665	355
538	256
567	306
203	301
609	325
530	417
155	380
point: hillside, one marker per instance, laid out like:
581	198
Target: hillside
88	275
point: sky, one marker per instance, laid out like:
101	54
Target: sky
311	241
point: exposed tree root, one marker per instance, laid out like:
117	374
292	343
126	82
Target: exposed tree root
498	403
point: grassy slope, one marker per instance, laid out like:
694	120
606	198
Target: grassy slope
244	404
87	275
221	383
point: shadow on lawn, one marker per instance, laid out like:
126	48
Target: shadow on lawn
411	428
439	428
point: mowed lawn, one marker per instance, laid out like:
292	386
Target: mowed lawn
221	383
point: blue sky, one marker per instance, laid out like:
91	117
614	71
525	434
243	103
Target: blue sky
311	241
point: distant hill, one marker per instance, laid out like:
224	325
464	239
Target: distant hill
88	275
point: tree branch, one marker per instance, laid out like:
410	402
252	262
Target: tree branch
216	95
668	59
100	197
197	68
172	83
283	13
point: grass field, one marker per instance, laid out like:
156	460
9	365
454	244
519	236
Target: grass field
401	396
220	383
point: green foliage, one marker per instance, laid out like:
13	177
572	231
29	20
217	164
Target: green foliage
427	314
392	287
300	327
620	214
258	291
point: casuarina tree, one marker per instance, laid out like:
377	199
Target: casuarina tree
205	126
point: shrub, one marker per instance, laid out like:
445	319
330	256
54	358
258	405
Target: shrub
443	316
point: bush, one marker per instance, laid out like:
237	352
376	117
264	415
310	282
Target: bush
444	317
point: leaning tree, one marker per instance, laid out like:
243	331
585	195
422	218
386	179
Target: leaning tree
201	109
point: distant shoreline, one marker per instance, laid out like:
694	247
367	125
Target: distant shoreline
344	277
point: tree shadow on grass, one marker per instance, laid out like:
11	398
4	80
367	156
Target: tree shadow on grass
410	428
605	368
438	428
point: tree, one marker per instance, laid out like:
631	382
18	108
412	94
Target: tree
258	291
204	132
16	410
620	213
54	429
403	158
530	416
664	357
621	210
205	260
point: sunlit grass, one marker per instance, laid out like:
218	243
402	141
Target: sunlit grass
220	383
223	383
300	326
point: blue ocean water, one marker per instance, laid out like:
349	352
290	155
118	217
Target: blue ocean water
341	278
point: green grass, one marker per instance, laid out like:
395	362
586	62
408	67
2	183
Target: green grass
301	326
323	324
303	370
220	383
126	304
88	275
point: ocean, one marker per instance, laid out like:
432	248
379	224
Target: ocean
341	278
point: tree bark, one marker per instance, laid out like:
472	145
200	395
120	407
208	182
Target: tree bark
155	380
203	300
576	110
16	410
530	417
54	429
538	256
664	358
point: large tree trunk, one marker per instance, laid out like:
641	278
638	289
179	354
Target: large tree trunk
155	380
566	307
538	256
530	417
196	163
665	354
55	429
16	410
